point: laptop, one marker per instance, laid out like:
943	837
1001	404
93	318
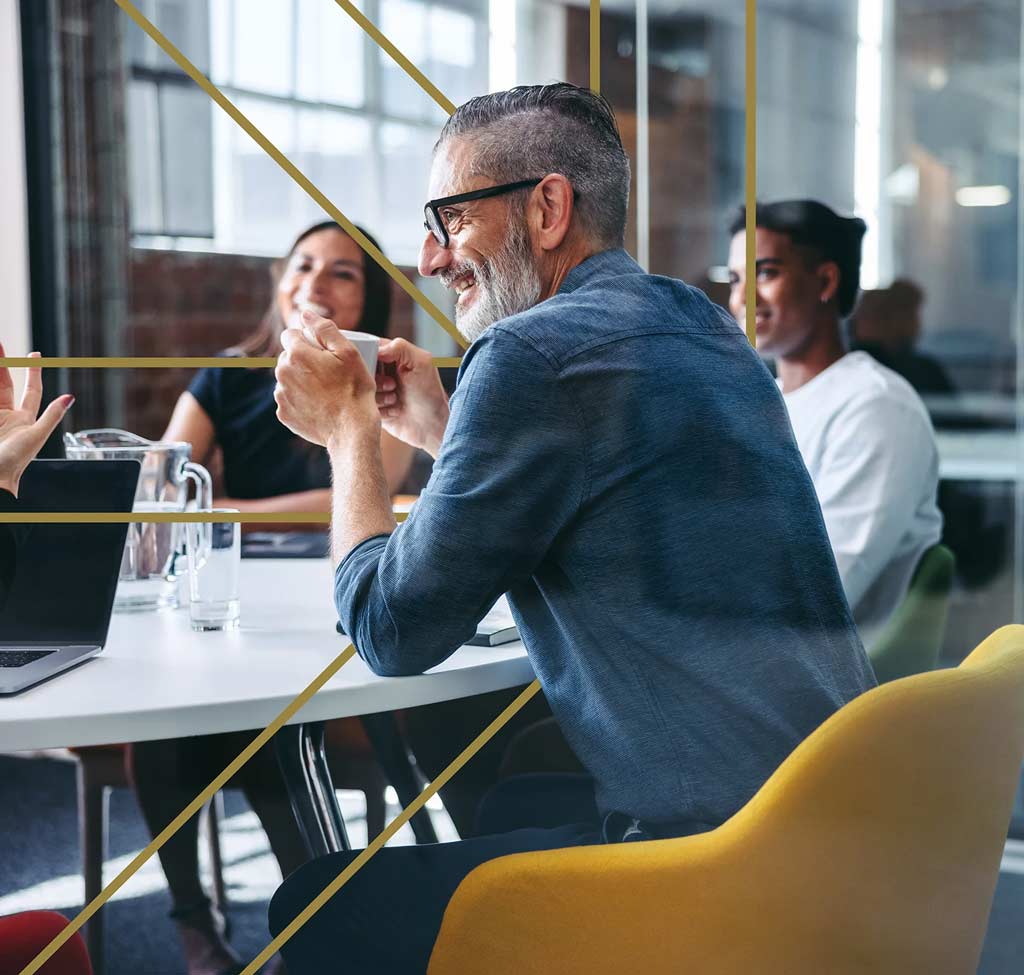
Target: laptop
57	582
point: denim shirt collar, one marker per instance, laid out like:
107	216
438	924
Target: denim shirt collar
604	264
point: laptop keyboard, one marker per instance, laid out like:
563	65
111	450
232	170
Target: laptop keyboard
19	658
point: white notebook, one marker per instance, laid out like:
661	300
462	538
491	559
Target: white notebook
496	627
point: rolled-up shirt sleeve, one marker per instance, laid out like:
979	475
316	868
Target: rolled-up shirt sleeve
510	475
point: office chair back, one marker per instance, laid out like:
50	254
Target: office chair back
912	639
875	847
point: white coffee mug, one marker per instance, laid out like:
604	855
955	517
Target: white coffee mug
367	345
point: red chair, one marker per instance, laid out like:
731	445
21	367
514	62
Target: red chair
23	936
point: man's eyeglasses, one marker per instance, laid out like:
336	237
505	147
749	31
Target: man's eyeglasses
434	223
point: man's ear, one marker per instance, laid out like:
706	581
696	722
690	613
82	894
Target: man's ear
828	277
550	210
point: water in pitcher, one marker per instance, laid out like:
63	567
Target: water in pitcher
153	559
150	557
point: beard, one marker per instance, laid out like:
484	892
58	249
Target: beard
506	284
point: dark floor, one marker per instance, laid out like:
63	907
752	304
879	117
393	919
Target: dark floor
39	869
139	936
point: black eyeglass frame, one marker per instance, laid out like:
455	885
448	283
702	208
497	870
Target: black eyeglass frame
435	225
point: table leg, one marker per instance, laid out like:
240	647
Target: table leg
387	741
300	753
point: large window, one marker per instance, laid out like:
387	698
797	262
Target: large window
169	126
320	89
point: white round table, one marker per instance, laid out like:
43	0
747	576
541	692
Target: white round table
156	678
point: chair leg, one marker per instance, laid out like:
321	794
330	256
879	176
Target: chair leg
395	759
376	809
214	814
92	819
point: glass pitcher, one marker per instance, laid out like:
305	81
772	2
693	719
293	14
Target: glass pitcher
154	553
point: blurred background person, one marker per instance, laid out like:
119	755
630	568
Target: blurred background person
887	325
265	468
864	433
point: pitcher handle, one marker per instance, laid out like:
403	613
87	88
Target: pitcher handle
199	476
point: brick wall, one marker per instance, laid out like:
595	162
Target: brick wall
183	304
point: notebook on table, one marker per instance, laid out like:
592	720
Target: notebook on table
496	628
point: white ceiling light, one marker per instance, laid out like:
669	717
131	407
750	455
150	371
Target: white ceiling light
983	196
937	78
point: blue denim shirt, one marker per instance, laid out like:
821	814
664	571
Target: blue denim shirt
619	460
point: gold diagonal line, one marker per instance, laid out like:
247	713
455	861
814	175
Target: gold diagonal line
428	793
169	517
279	157
397	56
163	362
335	885
750	257
190	810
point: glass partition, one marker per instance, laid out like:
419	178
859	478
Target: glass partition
907	113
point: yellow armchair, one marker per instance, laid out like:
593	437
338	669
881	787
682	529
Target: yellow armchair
874	848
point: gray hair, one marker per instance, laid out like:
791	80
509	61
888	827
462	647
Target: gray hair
534	130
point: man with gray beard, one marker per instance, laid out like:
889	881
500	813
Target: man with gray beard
618	460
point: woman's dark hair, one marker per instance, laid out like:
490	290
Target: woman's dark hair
819	229
266	340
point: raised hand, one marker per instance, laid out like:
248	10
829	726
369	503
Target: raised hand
22	432
412	402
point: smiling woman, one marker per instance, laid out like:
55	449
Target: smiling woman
266	467
328	271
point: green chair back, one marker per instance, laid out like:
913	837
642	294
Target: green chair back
911	640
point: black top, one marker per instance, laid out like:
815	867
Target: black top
262	458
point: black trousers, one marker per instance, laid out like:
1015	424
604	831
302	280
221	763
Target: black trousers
438	732
386	918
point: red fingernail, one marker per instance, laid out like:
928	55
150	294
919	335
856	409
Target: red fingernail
68	401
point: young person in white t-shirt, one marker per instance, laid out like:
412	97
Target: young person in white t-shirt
864	433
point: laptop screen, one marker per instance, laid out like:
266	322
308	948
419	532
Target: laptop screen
57	582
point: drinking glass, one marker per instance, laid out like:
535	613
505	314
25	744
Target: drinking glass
213	580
